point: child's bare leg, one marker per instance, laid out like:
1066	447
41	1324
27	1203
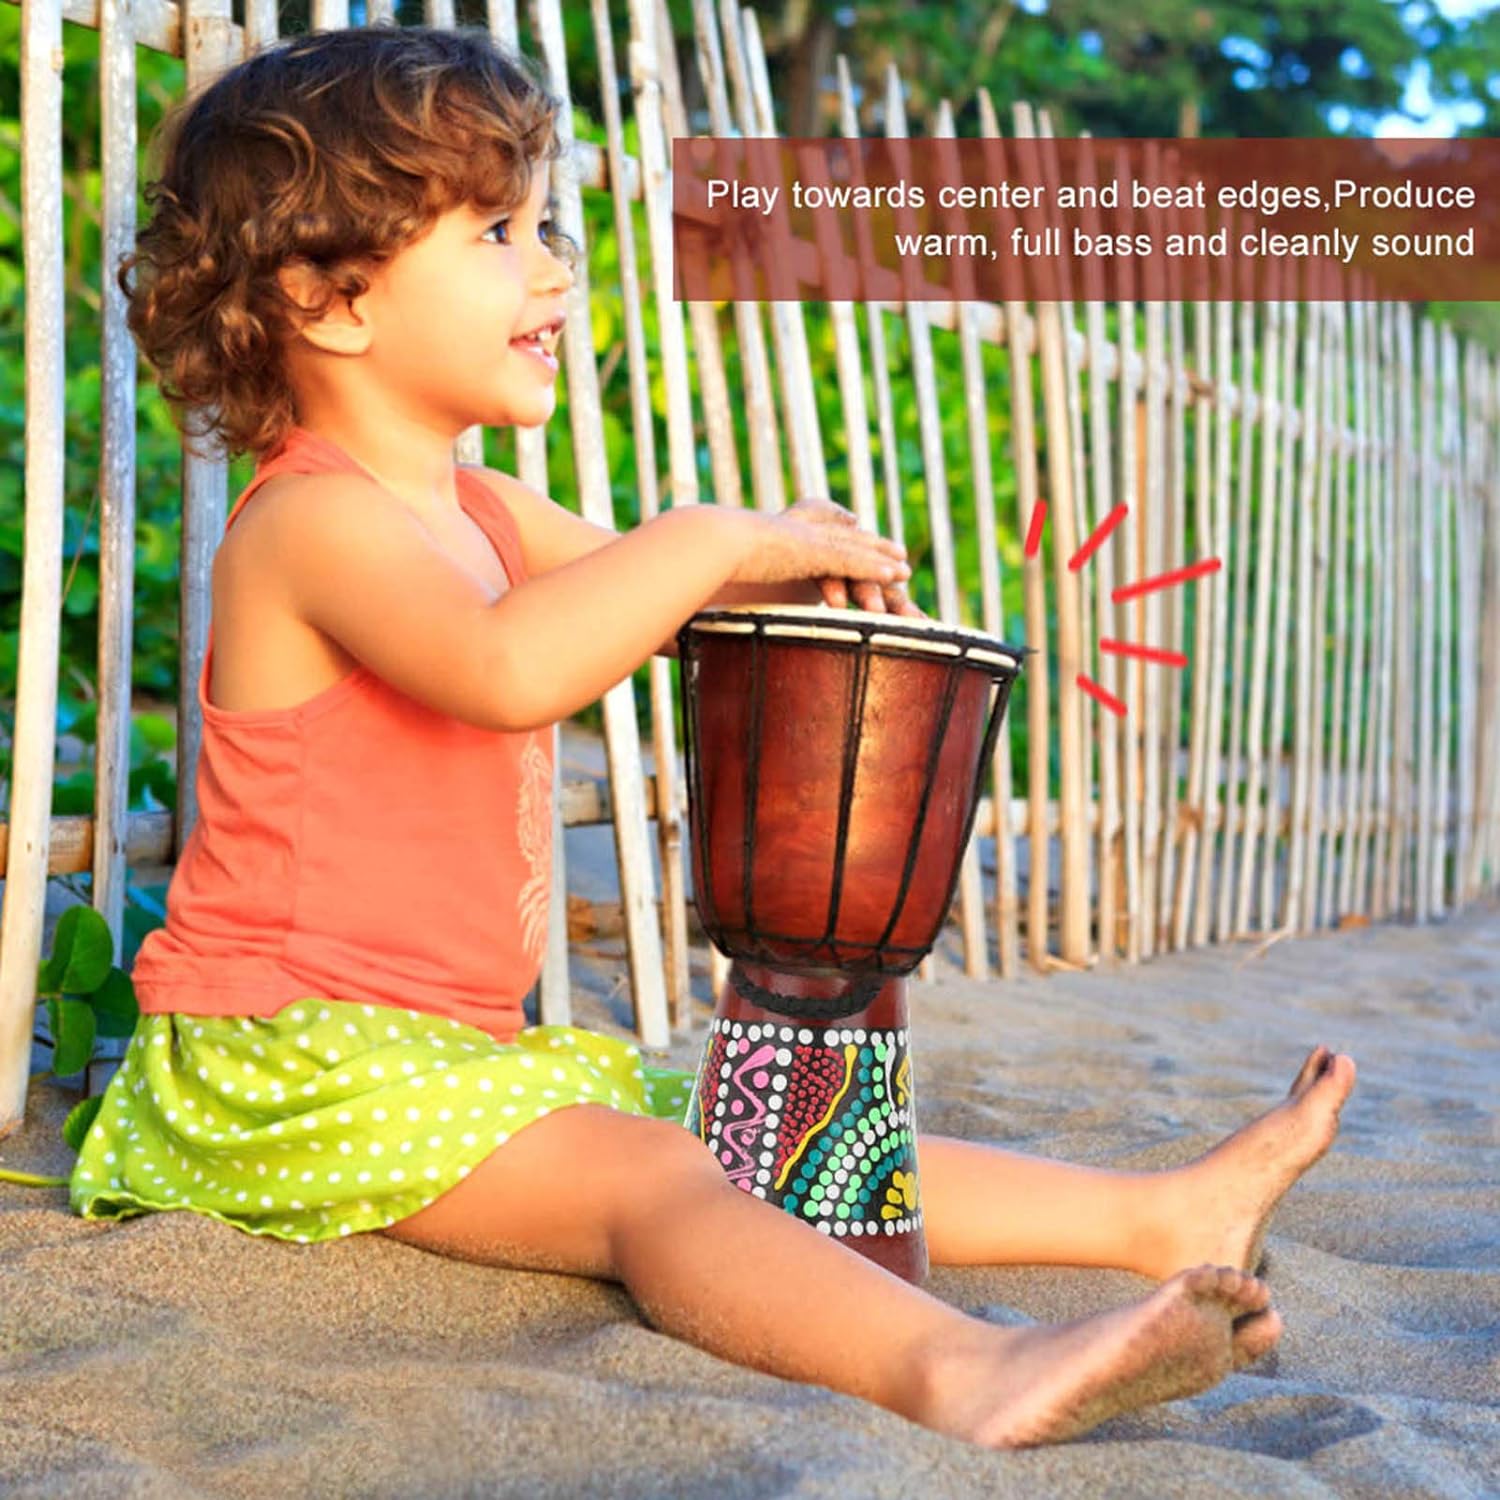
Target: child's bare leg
982	1205
589	1191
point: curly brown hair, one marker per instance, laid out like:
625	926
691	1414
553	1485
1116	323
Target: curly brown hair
337	149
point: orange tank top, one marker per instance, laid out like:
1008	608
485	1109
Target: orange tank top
359	845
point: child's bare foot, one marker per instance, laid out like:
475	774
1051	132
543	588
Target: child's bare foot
1019	1387
1217	1208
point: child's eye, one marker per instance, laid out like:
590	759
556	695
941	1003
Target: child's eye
547	228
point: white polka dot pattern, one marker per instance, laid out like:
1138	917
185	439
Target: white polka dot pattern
318	1122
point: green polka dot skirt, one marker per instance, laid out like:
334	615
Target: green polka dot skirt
333	1117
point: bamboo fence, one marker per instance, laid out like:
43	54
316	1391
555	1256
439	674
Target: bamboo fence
1330	755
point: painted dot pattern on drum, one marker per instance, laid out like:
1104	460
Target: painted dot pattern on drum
815	1120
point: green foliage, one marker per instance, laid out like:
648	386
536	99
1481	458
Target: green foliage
86	997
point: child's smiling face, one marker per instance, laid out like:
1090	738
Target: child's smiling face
435	331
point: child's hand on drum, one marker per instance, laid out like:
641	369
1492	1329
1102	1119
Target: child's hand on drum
879	591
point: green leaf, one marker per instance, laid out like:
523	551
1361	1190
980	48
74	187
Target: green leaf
82	951
74	1036
80	1121
115	1007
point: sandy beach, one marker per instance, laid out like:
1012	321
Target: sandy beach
173	1355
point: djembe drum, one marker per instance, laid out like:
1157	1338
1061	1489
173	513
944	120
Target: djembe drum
834	760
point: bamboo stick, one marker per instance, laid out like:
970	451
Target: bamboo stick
1468	537
1384	898
621	730
117	460
767	482
23	913
757	116
1024	457
1253	412
1442	500
1226	546
1174	602
1110	866
1314	764
1339	775
718	418
976	962
554	990
940	526
1285	552
1073	922
682	459
1401	883
1425	500
1354	894
1125	544
1208	541
1087	856
1488	776
1153	562
1270	479
1307	630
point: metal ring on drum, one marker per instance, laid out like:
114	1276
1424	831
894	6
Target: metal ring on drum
834	762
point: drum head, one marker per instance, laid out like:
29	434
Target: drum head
822	622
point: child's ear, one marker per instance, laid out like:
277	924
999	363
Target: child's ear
341	329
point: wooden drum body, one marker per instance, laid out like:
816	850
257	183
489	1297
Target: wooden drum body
834	760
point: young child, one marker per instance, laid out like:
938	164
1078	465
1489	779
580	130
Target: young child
348	263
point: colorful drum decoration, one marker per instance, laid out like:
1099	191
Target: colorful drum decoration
834	762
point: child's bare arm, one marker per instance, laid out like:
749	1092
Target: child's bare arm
354	563
552	536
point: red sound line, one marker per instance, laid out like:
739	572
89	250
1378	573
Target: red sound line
1034	530
1097	539
1146	653
1097	693
1166	580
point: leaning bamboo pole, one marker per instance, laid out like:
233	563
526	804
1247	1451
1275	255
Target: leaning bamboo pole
1208	537
1151	563
682	461
1404	635
1073	918
1252	411
554	991
976	411
34	748
939	520
1111	873
1126	552
752	82
1487	790
1383	897
117	491
621	730
1337	775
1359	765
1426	605
1272	408
1226	546
1297	426
1467	539
1310	765
1174	603
1442	502
1028	492
767	481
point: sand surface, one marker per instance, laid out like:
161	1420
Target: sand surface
173	1355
